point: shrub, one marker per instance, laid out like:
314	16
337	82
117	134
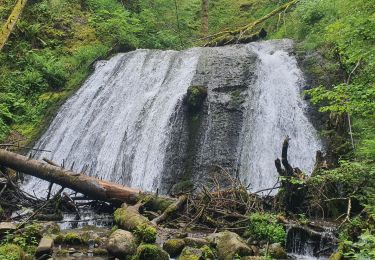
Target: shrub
264	226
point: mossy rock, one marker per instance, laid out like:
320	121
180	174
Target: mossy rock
277	251
72	238
195	97
145	234
150	252
11	252
99	252
174	246
208	252
228	245
196	242
121	243
336	256
190	253
62	252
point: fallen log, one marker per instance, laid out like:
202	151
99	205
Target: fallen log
89	186
11	22
229	37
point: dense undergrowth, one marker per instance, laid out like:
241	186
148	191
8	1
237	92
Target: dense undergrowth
55	44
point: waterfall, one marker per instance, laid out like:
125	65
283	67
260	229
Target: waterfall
276	111
129	121
118	121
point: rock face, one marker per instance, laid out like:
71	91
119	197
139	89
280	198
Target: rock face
210	135
229	244
121	243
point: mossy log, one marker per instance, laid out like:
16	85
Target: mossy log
173	208
11	22
235	36
230	39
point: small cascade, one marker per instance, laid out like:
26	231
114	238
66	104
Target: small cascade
275	110
320	243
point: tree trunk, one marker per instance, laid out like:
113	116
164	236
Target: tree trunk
205	8
89	186
11	22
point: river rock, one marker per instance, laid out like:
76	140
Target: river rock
121	243
191	253
229	244
277	251
151	252
195	241
174	246
45	247
6	226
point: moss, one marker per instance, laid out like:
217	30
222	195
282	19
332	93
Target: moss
73	239
11	252
208	253
174	246
100	252
190	253
195	97
129	219
59	239
150	252
182	187
145	234
62	252
156	203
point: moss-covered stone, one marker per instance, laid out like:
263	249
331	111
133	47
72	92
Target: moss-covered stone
121	243
195	242
62	252
208	252
146	234
72	238
174	246
99	252
190	253
277	251
150	252
229	244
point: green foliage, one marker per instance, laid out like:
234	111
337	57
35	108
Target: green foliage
28	239
195	97
145	233
10	252
264	226
150	252
364	248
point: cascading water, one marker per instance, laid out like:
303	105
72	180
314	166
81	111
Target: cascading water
118	122
129	122
276	110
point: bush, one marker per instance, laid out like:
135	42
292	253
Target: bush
264	226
